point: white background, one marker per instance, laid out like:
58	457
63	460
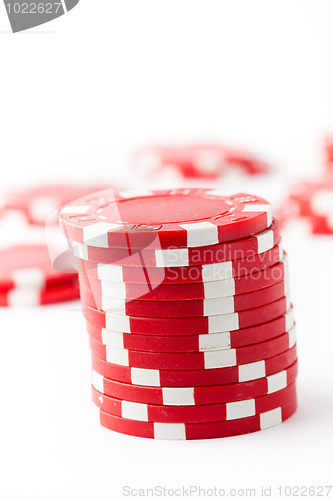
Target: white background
77	95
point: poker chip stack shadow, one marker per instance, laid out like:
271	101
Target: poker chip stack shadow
186	298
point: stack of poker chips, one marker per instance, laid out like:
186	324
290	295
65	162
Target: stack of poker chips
186	298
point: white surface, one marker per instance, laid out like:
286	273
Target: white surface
76	97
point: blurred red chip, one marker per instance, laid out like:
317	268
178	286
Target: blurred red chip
36	204
207	161
309	205
27	278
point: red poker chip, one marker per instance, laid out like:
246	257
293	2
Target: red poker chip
310	206
29	267
52	295
186	308
191	396
206	161
182	218
187	326
209	360
207	430
153	276
306	225
193	378
36	204
312	198
194	343
189	291
234	410
179	257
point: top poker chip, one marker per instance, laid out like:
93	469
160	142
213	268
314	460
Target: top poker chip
171	218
